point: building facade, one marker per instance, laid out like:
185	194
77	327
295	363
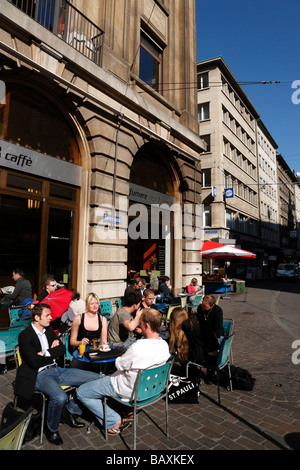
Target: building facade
96	132
230	187
249	193
268	199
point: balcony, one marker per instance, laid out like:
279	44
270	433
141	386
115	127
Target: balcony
65	21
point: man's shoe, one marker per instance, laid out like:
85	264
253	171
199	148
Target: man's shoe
70	419
54	437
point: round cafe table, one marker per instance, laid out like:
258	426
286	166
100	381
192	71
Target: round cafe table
101	358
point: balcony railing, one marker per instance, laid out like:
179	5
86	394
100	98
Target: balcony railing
65	21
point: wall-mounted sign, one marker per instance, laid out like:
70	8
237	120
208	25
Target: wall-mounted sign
213	191
228	192
19	158
148	196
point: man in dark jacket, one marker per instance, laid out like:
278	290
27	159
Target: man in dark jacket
39	349
210	317
22	290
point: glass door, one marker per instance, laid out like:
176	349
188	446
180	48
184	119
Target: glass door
60	246
19	238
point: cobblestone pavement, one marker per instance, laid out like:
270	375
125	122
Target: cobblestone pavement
267	418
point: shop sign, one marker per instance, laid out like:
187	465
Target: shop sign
34	163
148	196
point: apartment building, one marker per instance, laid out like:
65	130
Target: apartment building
288	194
93	123
268	198
230	185
249	193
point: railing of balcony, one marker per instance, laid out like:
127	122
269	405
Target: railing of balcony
67	22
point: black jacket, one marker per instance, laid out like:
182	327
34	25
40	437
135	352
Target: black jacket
29	345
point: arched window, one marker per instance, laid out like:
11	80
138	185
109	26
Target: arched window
28	119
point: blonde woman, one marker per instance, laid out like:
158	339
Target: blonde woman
88	326
193	286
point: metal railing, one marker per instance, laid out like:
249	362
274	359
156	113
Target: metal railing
68	23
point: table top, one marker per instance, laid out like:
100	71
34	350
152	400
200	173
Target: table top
86	359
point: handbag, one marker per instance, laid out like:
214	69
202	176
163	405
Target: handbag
183	389
241	378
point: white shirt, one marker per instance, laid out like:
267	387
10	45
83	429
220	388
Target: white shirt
143	354
44	343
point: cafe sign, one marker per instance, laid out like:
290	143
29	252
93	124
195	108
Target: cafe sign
34	163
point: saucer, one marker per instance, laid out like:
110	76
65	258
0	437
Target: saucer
104	350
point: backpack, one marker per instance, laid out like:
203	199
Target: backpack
241	378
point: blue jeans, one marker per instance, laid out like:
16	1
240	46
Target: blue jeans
91	395
49	381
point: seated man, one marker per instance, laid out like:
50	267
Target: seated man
166	290
124	322
148	299
22	290
152	351
134	287
50	286
210	317
39	349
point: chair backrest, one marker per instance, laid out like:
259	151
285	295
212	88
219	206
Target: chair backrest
17	356
170	310
15	320
8	339
223	356
12	437
228	326
197	300
69	356
105	307
150	383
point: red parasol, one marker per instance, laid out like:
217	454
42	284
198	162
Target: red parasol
59	301
218	250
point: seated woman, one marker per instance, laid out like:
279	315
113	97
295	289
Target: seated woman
185	338
86	327
193	287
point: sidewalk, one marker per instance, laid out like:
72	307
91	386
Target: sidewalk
259	420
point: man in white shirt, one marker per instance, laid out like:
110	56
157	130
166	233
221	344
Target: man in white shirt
152	351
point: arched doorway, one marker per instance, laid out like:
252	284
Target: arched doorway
151	229
39	188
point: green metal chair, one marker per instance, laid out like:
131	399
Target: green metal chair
106	309
222	360
43	396
12	436
228	325
151	386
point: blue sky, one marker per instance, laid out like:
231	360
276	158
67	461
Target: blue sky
260	41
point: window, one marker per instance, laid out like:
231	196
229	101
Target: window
206	139
150	61
202	81
207	216
206	178
230	219
203	111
